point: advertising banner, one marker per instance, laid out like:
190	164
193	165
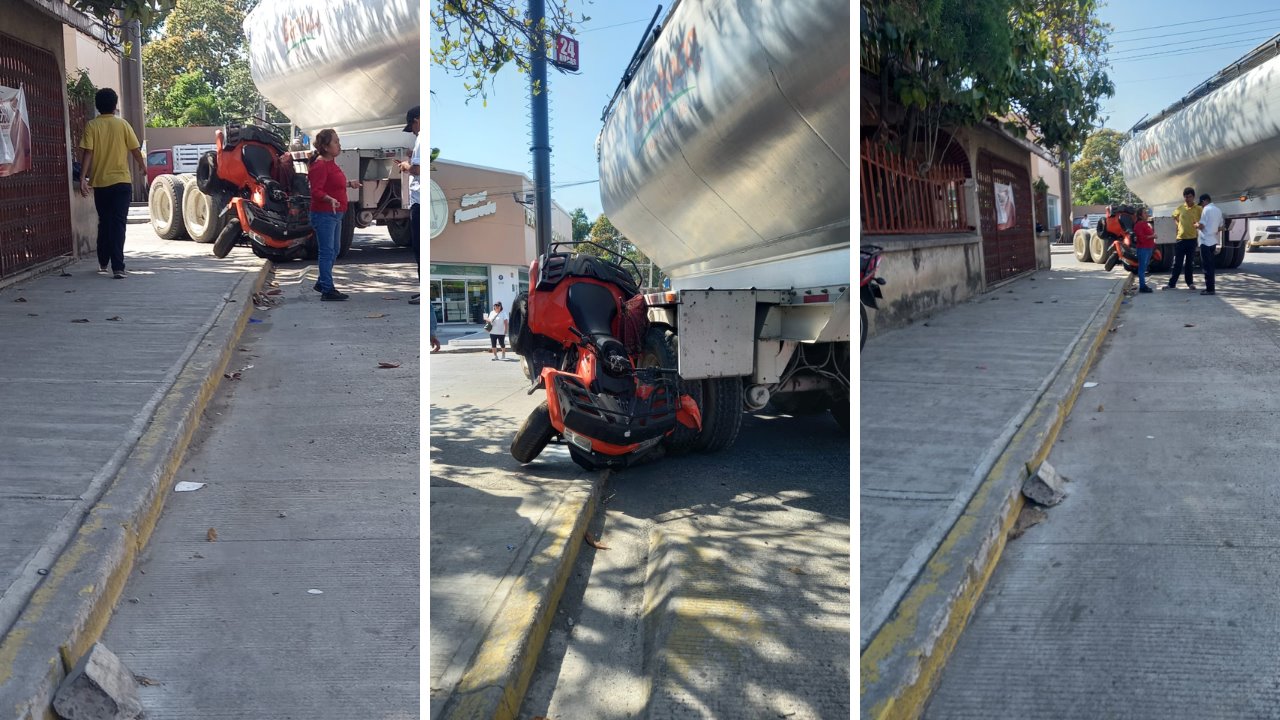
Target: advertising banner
15	132
1006	213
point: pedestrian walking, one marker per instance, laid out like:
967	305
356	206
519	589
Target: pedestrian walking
1209	225
435	342
328	204
1146	246
1185	216
496	324
413	166
105	149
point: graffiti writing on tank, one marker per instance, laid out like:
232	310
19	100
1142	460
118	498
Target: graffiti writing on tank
299	30
1148	152
667	82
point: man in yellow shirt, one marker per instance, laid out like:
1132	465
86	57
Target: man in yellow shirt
105	150
1186	216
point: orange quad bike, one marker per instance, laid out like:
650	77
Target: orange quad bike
1117	230
583	335
259	195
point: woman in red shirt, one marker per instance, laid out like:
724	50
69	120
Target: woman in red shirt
1146	245
328	205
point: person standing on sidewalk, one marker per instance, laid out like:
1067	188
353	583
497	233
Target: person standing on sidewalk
1146	246
435	342
1209	225
413	166
105	149
1185	216
328	205
497	322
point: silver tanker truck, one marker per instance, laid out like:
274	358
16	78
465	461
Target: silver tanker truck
725	158
351	65
1223	139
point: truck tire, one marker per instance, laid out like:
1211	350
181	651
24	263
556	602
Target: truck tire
1097	248
721	413
1081	241
518	328
347	232
399	231
165	205
1166	258
862	315
200	215
661	348
534	434
227	238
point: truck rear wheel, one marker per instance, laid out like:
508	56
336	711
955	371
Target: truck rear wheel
165	204
399	231
1238	260
199	215
1080	241
721	413
662	349
1097	247
347	232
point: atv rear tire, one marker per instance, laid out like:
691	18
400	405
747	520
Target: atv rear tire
207	175
518	329
200	215
534	434
721	413
662	349
1109	263
227	238
165	204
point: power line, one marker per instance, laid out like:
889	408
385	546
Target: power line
606	27
1156	36
1176	45
1192	22
1191	50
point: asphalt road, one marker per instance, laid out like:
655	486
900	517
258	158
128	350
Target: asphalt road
305	602
724	591
1150	591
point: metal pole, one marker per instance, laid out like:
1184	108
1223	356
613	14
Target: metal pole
541	132
131	92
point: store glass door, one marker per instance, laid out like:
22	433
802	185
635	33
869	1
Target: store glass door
478	299
453	300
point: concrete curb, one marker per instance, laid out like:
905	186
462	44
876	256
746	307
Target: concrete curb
904	660
70	609
494	683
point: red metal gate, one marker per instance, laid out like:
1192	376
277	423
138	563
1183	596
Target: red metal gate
35	206
1008	247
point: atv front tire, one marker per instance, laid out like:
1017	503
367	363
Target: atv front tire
532	437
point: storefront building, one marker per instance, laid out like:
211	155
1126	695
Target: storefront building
482	239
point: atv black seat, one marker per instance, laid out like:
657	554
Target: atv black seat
555	267
593	309
233	135
258	161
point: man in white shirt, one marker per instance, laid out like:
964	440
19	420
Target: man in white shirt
1209	226
413	166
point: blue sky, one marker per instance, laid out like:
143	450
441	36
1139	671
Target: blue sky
498	135
1153	66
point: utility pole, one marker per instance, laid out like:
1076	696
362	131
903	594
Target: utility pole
541	132
131	90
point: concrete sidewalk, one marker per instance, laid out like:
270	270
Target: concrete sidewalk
103	382
503	537
955	411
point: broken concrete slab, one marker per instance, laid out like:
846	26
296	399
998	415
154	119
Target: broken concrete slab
1044	487
99	688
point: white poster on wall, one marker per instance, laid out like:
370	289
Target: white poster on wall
1006	213
15	132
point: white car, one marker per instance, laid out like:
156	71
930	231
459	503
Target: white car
1266	237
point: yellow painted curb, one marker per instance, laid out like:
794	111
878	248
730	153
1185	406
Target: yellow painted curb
909	703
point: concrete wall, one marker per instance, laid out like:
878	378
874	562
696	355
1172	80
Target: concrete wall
34	27
166	138
497	239
83	53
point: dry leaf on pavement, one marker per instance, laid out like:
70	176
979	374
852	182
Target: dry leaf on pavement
114	318
594	543
277	291
375	316
1188	325
212	535
21	299
145	681
388	365
81	320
